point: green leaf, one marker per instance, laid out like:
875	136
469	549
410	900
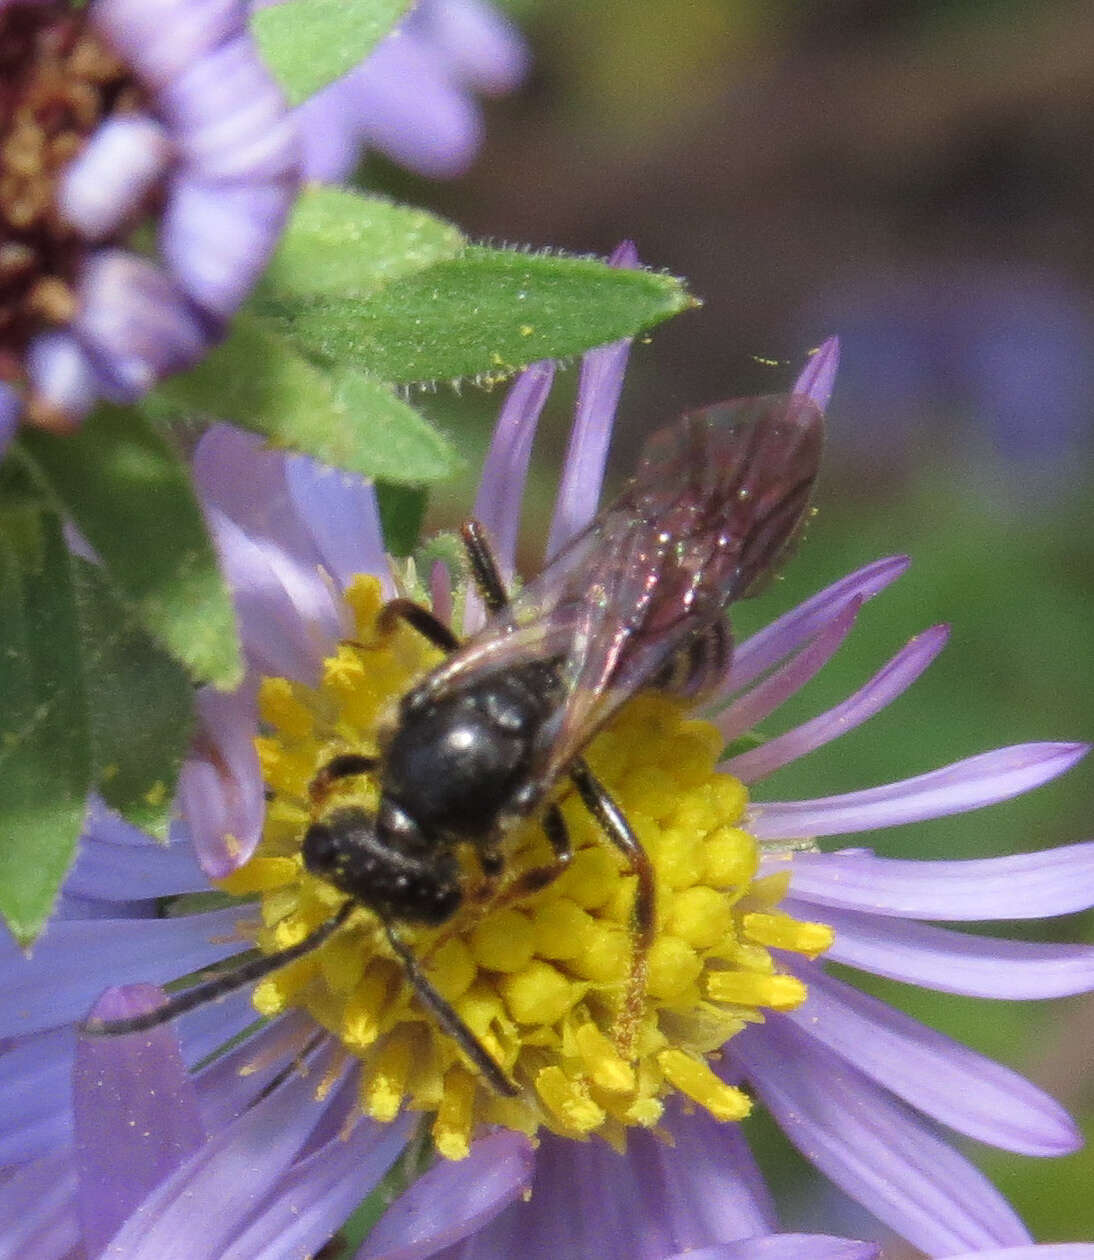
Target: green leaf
132	499
44	763
309	43
140	703
402	511
344	244
486	313
340	415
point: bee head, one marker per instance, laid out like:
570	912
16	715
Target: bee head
384	863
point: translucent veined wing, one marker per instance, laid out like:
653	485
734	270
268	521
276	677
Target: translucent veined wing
714	504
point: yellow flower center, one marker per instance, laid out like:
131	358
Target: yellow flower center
539	982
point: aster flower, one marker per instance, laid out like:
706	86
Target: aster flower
734	993
414	99
109	113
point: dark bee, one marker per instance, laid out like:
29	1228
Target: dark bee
637	600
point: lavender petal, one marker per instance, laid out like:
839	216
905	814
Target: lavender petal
112	868
36	1095
1019	886
228	117
162	38
787	1247
1042	1251
38	1208
228	1176
343	516
599	387
134	322
965	785
480	46
932	1072
871	1145
891	681
451	1201
216	239
220	790
818	378
136	1114
788	632
108	179
62	378
952	962
75	960
751	708
11	407
501	489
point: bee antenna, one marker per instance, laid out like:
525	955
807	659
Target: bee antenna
217	987
452	1024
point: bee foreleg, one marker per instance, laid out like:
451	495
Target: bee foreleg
613	823
483	566
342	767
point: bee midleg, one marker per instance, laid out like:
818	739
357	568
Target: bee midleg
613	823
421	619
447	1017
343	766
484	568
536	878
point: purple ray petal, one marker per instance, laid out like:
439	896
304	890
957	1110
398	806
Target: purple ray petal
38	1209
970	784
74	961
787	1247
160	38
36	1095
818	378
451	1201
932	1072
136	1114
108	179
598	391
891	681
228	1177
61	375
952	962
216	238
871	1145
751	708
480	46
115	872
712	1188
135	324
228	117
501	489
343	516
792	629
1019	886
1042	1251
309	1203
220	791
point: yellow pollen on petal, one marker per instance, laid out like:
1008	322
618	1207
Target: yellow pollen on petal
550	986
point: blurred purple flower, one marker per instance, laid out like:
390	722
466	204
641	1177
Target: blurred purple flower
857	1085
113	112
415	98
1003	355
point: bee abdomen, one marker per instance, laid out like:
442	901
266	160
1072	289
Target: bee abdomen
700	664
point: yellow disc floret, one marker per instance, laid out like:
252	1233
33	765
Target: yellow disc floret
540	980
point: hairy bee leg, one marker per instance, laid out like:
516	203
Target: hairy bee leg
342	767
219	986
420	619
537	878
447	1018
613	823
484	568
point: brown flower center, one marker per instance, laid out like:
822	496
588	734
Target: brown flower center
57	82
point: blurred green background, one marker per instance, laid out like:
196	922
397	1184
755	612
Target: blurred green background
919	178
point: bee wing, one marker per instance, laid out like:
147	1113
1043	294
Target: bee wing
715	502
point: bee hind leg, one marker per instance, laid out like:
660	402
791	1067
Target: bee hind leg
483	566
598	801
